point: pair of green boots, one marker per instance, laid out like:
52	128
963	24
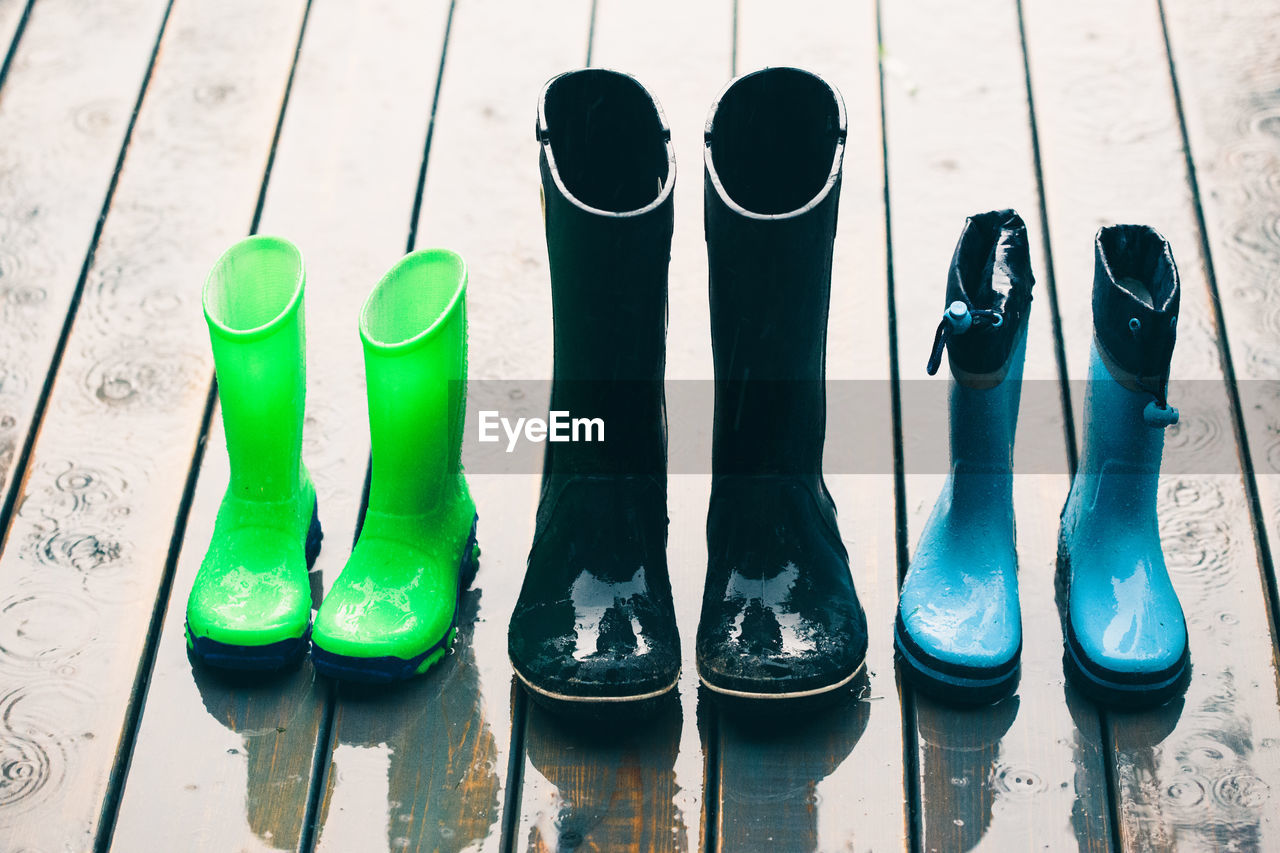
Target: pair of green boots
392	613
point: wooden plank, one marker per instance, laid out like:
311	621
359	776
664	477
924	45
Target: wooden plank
644	790
1027	772
227	763
12	13
433	757
836	780
1226	67
609	787
1195	774
88	544
65	110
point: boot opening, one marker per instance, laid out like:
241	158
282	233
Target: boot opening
607	139
976	255
254	283
411	298
1138	259
773	139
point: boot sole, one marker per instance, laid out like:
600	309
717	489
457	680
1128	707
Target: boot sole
753	696
1117	689
601	709
955	688
387	669
562	701
283	654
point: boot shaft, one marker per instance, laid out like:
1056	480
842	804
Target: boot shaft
772	158
984	330
608	172
983	429
1136	298
1122	452
253	304
988	298
413	328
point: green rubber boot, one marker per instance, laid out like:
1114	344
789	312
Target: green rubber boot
250	605
393	611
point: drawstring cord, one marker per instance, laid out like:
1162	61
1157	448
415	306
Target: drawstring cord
959	318
956	320
1158	413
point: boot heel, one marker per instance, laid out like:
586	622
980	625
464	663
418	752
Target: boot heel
470	560
314	536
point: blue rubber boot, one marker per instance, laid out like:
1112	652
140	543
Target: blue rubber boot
1124	631
959	631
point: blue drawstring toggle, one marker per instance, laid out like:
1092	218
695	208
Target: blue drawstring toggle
1159	416
956	320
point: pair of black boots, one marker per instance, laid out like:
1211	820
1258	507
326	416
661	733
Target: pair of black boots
595	622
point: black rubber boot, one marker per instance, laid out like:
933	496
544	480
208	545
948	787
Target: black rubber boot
780	618
595	623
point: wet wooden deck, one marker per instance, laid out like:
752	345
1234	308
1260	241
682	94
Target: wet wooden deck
138	138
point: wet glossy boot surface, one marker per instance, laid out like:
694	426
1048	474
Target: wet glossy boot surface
780	617
393	611
594	626
1125	635
958	633
250	603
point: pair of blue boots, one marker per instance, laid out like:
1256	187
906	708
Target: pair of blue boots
958	634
